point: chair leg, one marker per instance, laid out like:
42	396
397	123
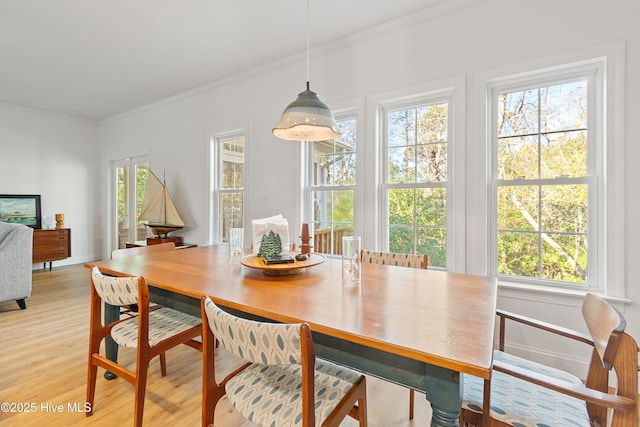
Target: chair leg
163	364
22	303
141	386
486	403
362	407
92	370
411	402
91	386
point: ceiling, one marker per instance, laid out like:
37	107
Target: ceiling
98	58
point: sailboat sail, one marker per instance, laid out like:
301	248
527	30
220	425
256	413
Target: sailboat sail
158	208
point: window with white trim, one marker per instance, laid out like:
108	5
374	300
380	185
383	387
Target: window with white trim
546	163
229	193
332	187
416	177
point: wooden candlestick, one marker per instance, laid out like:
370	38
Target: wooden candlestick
305	248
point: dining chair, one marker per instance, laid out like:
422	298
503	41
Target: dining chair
526	393
152	332
132	309
282	381
402	260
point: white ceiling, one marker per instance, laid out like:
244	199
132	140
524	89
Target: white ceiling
98	58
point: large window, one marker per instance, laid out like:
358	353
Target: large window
332	189
228	165
416	178
545	140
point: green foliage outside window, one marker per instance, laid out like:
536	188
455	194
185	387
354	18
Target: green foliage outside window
541	172
542	193
142	172
416	177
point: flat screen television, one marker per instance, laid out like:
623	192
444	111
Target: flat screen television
21	209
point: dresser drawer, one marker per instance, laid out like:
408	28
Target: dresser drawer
51	245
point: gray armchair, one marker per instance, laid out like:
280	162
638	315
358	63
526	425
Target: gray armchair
16	246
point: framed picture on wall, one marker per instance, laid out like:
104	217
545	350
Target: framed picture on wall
21	209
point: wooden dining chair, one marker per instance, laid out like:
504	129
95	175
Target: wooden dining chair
132	310
525	393
402	260
152	332
282	381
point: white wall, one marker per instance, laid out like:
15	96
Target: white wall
55	156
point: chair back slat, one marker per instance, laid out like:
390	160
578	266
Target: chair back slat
605	325
117	291
257	342
391	258
626	367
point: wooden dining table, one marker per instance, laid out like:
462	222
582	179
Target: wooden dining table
418	328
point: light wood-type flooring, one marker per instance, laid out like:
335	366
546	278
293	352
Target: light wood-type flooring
43	369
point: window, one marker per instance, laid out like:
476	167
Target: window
229	183
332	189
416	178
547	137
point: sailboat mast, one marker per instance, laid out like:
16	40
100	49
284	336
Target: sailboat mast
164	190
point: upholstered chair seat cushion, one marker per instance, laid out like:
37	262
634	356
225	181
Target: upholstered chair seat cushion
523	404
271	395
163	323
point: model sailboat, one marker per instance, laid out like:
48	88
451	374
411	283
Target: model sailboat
158	208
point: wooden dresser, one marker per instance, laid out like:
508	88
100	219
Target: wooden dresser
51	245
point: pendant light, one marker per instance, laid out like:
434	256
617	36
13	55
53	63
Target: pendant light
307	118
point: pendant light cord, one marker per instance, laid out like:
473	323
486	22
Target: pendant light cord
308	32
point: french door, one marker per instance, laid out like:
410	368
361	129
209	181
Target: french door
130	180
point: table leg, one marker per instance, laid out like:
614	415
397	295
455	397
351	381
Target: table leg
445	397
111	314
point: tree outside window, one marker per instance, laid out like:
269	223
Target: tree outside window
543	182
416	181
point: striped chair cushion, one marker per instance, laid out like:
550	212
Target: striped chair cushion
271	396
163	323
386	258
523	404
256	342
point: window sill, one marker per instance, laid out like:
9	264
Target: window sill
544	294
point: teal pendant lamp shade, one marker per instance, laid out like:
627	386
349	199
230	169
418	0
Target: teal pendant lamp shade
307	119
